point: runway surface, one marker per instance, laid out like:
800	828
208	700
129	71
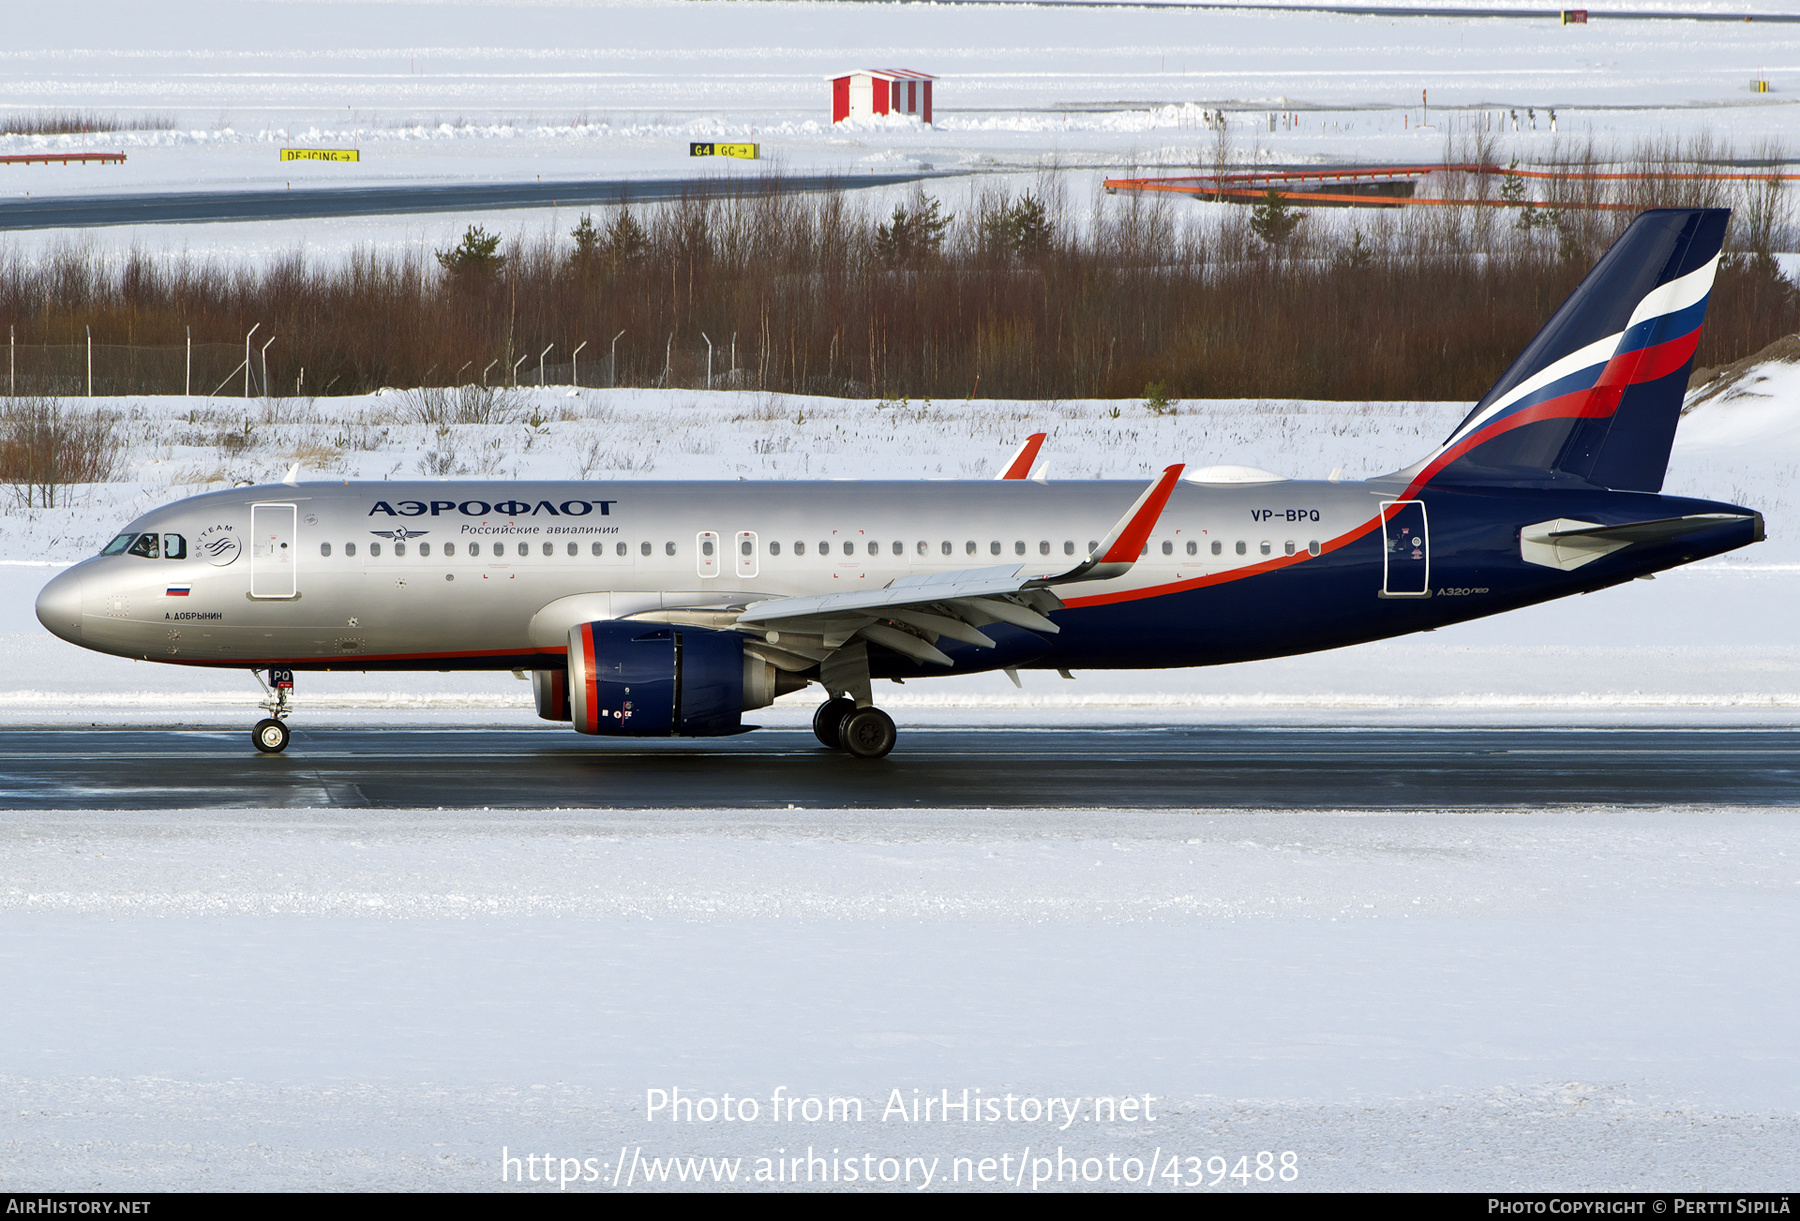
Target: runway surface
199	207
1205	767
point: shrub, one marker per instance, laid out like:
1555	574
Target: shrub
46	447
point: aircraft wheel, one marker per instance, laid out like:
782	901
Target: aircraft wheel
270	736
869	733
828	721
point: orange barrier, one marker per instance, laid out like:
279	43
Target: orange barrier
1248	185
65	158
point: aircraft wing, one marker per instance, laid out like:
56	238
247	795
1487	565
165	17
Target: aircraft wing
909	614
1019	465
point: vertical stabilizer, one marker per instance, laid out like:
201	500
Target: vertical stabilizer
1597	394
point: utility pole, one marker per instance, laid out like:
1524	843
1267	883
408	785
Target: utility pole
541	356
265	366
574	364
708	360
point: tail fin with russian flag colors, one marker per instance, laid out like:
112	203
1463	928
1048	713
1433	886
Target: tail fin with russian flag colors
1597	394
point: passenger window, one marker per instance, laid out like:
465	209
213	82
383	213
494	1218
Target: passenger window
874	548
474	549
118	544
598	549
1168	547
1313	547
146	546
824	549
899	547
1068	546
549	548
349	548
706	547
1243	548
746	548
1093	546
1265	546
849	548
1144	552
1288	547
374	548
668	548
643	548
1044	547
449	548
1193	547
947	548
424	548
969	547
174	547
623	549
574	549
1218	547
923	548
324	548
774	548
994	547
799	548
399	548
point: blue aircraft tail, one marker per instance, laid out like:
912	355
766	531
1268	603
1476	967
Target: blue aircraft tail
1597	394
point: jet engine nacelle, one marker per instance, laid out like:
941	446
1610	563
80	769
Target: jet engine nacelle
656	679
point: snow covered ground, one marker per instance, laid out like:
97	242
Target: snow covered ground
260	999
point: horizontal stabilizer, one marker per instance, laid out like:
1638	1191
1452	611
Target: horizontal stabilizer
1567	544
1652	531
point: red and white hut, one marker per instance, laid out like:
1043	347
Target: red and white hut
859	95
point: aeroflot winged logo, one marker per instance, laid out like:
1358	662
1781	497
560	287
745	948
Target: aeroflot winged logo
502	508
399	536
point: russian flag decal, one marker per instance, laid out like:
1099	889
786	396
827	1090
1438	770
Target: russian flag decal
177	591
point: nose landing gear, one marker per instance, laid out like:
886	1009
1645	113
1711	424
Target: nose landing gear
271	733
866	733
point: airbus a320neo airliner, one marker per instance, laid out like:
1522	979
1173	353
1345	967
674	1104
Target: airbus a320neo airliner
669	609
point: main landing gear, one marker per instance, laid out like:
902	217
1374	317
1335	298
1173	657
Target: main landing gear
271	733
867	733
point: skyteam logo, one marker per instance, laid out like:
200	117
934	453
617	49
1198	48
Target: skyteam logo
218	545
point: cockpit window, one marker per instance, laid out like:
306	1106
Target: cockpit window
146	546
174	547
118	545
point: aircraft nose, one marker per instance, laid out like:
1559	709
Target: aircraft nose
59	606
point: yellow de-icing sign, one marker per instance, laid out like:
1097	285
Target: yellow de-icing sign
321	154
747	152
